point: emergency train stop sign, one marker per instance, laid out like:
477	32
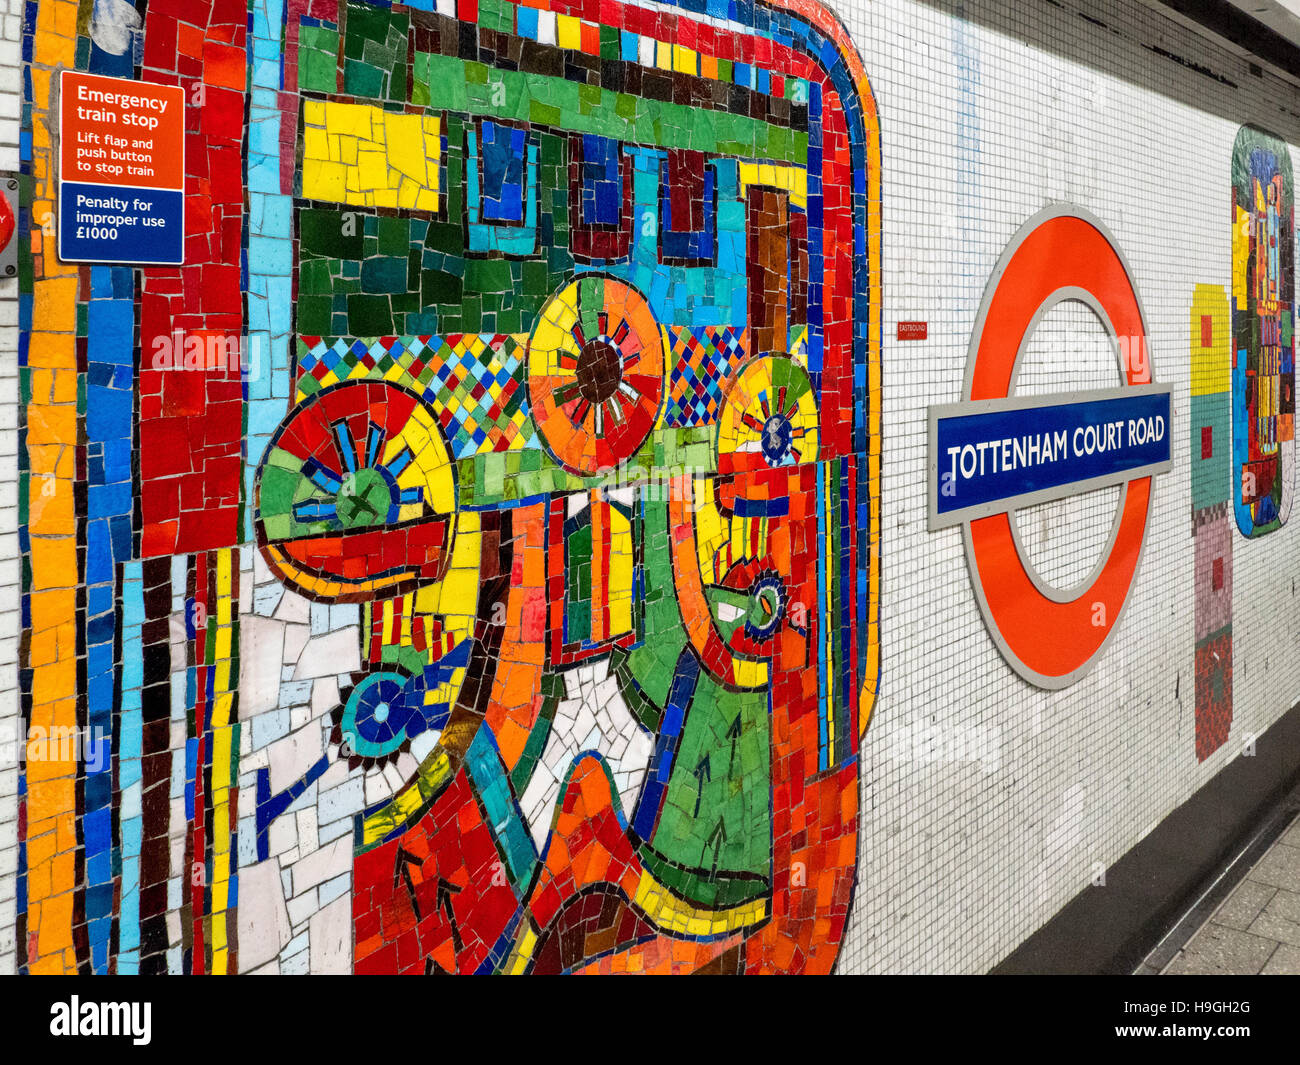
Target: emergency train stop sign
121	171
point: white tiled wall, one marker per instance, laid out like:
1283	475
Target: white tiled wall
10	111
990	111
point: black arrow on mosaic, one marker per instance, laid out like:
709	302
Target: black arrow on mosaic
402	871
445	892
702	773
716	839
733	734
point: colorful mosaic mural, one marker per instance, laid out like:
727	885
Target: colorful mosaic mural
1263	326
1211	366
502	596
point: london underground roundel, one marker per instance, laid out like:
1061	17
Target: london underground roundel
995	452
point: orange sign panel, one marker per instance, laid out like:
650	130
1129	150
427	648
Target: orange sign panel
121	132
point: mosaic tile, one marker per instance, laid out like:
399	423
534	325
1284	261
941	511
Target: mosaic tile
1212	458
1263	286
703	361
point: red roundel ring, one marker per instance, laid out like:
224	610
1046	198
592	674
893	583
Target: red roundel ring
7	222
1051	642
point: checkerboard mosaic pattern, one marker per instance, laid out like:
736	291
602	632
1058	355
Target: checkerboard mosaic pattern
702	362
477	381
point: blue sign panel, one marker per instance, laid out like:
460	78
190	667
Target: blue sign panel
112	224
992	456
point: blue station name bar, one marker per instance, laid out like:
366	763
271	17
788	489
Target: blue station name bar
997	455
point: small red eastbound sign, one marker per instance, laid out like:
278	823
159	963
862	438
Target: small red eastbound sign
913	330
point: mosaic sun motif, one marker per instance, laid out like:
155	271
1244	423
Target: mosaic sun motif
517	611
596	373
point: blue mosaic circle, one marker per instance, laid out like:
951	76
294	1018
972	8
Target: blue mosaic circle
381	715
778	435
